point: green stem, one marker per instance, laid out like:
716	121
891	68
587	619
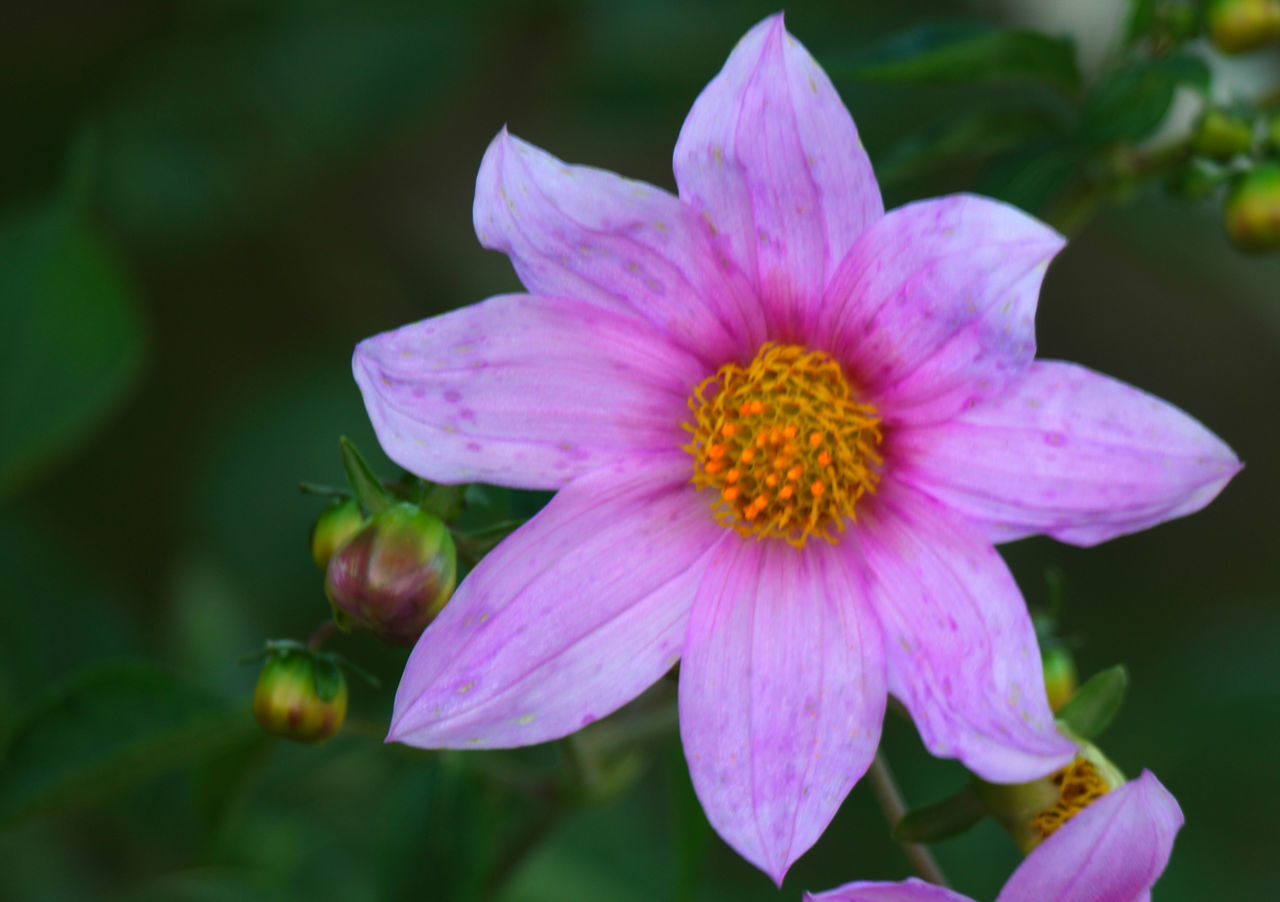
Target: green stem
891	803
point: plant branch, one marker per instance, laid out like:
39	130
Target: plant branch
891	803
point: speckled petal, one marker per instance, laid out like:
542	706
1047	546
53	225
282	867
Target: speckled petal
571	617
912	890
1113	851
770	156
781	695
934	308
588	234
523	391
1069	453
959	646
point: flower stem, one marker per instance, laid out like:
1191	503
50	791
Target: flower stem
322	632
891	803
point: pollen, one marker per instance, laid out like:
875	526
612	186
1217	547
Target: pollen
1079	785
789	418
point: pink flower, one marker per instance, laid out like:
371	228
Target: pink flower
1112	851
786	429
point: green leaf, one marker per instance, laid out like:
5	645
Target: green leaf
1096	703
941	820
953	52
369	491
108	728
1033	177
72	343
971	137
1131	102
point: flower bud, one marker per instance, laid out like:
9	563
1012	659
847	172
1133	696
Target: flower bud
1221	136
1239	25
394	575
1060	677
1273	133
1252	211
336	523
299	697
1031	812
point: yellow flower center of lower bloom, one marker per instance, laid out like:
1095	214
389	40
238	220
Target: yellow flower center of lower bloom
783	444
1079	785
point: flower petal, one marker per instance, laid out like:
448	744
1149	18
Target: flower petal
959	646
571	617
1069	453
523	391
911	890
781	695
770	156
584	233
934	308
1115	849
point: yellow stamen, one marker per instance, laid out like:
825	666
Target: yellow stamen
768	420
1078	786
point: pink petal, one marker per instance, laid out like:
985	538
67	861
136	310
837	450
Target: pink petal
1070	453
934	307
781	695
959	646
572	616
584	233
911	890
770	156
523	391
1112	851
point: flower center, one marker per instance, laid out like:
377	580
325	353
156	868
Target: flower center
1079	785
784	444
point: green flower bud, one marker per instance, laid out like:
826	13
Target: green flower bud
299	697
1220	136
336	523
1198	178
1060	677
1252	211
1032	812
394	575
1239	25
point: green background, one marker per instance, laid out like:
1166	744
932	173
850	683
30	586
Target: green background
205	205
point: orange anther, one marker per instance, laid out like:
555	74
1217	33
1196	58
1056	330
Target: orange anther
715	452
745	410
817	489
824	459
795	472
730	493
732	475
790	431
728	429
747	455
771	480
714	466
757	407
786	492
815	439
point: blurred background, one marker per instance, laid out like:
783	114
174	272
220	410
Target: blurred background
204	205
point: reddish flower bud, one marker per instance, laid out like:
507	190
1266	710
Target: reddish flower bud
300	698
394	575
336	523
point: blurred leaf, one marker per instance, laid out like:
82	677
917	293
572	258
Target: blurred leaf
965	52
970	137
1131	102
211	885
219	782
436	829
219	132
368	489
71	340
1096	703
941	820
692	833
105	729
1139	20
1032	177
